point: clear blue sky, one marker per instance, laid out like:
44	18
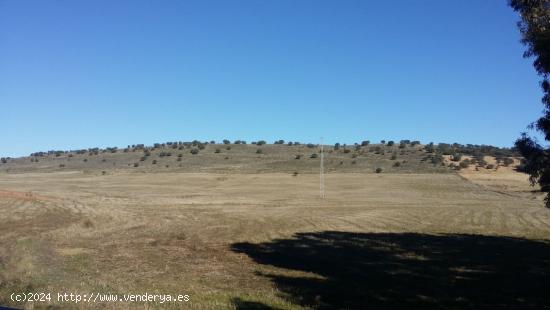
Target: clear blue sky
79	74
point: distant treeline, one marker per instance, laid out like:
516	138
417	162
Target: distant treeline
476	151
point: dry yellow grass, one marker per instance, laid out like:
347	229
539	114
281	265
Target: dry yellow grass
194	233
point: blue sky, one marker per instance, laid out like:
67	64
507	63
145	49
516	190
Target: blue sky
79	74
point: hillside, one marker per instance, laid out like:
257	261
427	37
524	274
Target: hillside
405	157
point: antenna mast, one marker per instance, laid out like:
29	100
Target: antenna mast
322	173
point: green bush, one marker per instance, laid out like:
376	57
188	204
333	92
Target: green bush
336	146
378	170
217	151
456	157
261	142
365	143
194	151
508	161
393	156
136	164
154	162
297	156
396	164
465	163
391	143
314	155
259	151
225	141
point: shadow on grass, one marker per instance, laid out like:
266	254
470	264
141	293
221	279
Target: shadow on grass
342	270
250	305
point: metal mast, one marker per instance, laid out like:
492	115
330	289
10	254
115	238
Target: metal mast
322	173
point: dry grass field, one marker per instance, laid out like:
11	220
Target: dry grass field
266	240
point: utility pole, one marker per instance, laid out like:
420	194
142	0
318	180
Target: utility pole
322	173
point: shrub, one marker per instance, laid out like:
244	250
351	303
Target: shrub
382	141
353	162
217	151
279	142
456	157
347	151
336	146
226	157
225	141
310	145
365	143
314	155
378	170
201	146
490	166
194	151
465	163
237	142
228	148
297	156
289	143
354	155
143	158
85	160
61	165
508	161
396	164
261	142
391	143
429	148
393	156
179	158
212	142
259	151
154	162
295	174
136	164
180	155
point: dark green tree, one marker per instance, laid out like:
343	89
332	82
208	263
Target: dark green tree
535	30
